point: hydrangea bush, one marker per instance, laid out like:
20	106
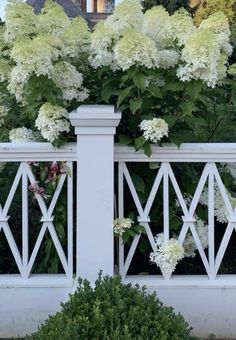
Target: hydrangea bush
169	74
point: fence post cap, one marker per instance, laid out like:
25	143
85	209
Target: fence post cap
95	119
95	116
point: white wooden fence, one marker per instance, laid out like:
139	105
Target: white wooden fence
207	301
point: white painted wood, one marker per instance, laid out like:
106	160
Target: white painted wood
95	127
23	262
25	221
26	152
210	176
95	154
211	225
121	215
166	213
23	309
70	221
209	309
187	152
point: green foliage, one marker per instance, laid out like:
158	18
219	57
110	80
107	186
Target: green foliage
113	311
170	5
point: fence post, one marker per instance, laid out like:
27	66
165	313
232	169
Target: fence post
95	126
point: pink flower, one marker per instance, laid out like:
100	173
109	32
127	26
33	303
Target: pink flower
37	190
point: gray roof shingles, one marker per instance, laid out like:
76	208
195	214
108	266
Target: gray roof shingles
70	9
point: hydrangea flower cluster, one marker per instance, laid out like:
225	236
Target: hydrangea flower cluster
201	228
134	48
120	225
22	134
161	33
220	211
167	254
154	130
69	80
189	243
159	40
51	121
101	46
126	15
229	168
48	46
182	26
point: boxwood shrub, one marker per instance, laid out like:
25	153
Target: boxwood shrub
113	311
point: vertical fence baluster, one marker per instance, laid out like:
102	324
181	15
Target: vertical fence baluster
25	220
166	201
211	231
70	220
121	214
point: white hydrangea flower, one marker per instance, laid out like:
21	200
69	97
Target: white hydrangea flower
189	243
167	58
167	254
154	130
157	25
76	38
202	57
102	40
69	80
22	134
34	56
134	48
156	81
5	70
218	23
127	14
51	121
3	113
182	26
18	77
230	168
53	19
20	21
187	198
220	210
120	225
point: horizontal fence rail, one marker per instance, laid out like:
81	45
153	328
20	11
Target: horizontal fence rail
209	155
187	152
27	152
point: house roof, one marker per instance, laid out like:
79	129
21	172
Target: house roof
70	9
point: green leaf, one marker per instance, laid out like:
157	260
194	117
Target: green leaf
131	233
155	91
123	95
193	121
139	141
123	139
108	91
139	80
187	108
135	104
194	88
139	229
153	165
174	86
147	149
138	182
170	120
